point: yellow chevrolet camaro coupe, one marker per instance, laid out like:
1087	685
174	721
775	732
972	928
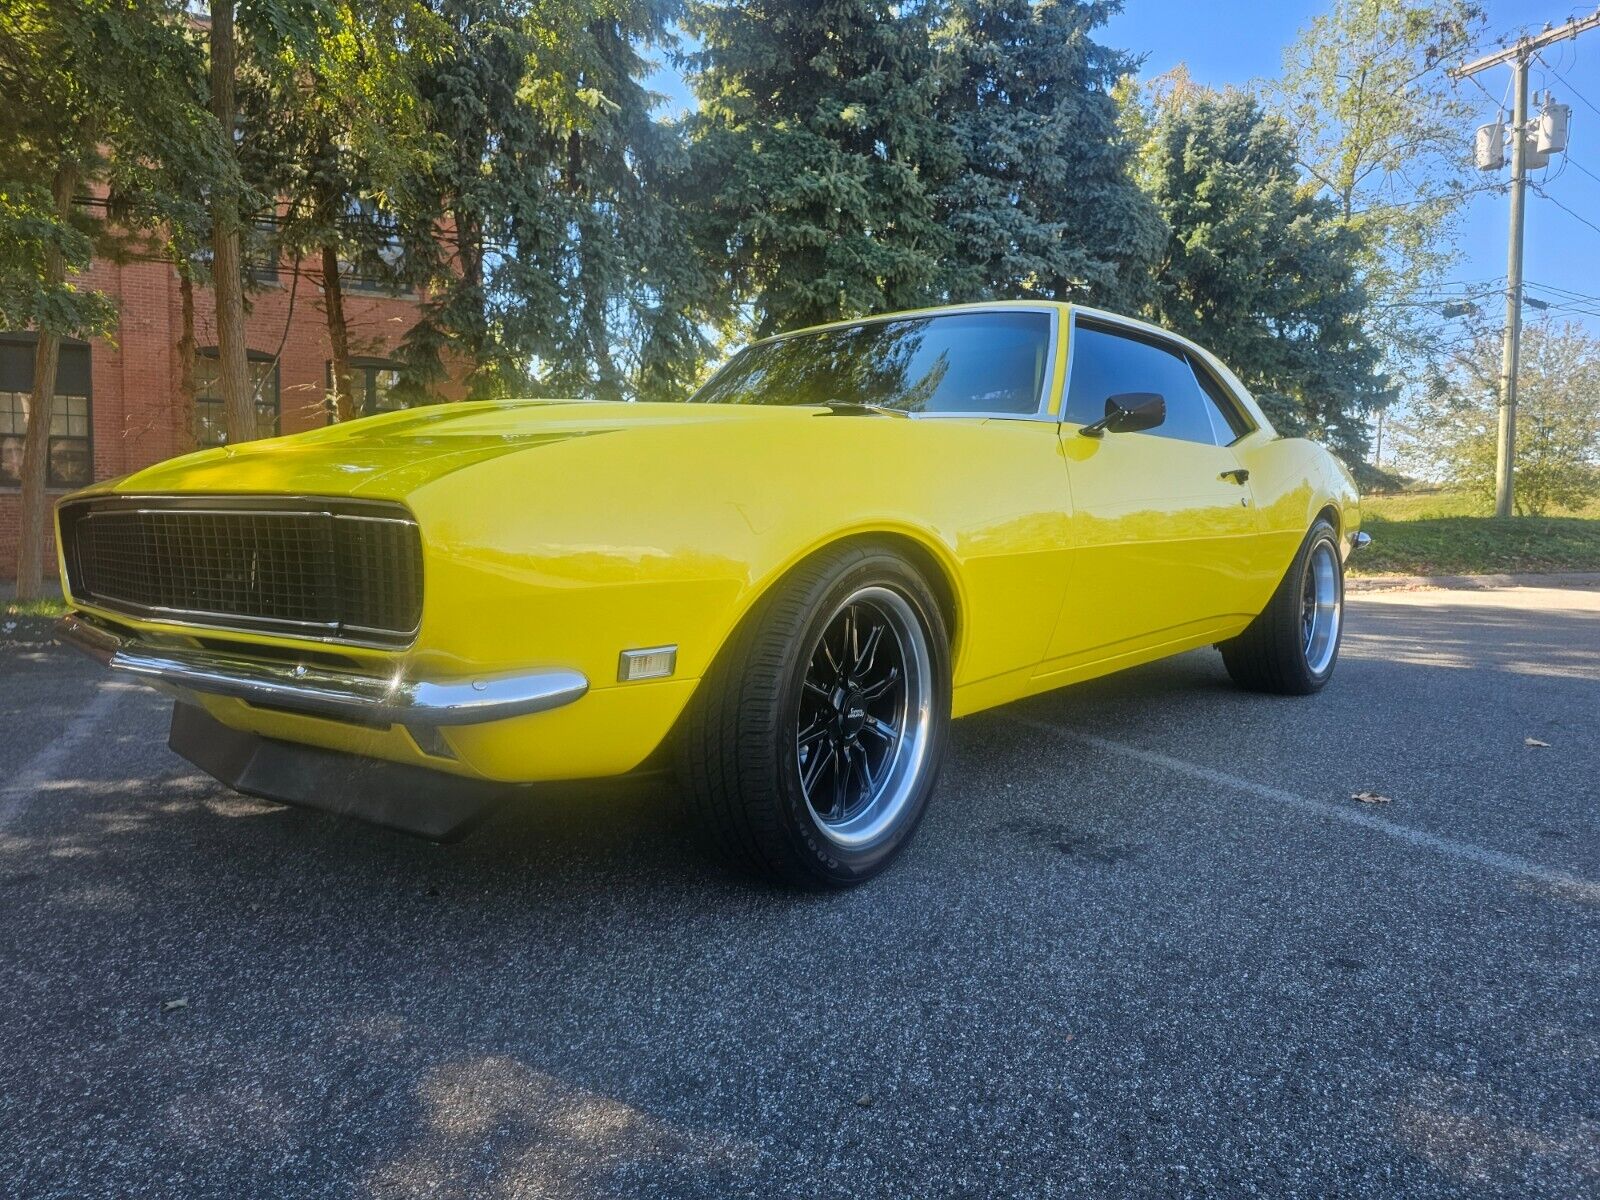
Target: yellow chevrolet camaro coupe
786	587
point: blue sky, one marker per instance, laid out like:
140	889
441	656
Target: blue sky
1235	41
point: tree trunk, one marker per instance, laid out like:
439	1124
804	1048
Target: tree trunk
469	254
344	405
227	280
186	364
36	442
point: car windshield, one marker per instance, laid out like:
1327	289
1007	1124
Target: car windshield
977	362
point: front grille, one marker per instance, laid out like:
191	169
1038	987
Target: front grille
342	570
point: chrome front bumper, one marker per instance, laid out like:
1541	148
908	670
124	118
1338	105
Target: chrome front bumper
320	692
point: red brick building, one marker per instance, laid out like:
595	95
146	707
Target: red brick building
119	403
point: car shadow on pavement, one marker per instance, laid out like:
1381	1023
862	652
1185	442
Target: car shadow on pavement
1086	976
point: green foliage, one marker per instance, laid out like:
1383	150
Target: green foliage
29	299
1451	432
1257	268
555	263
1040	203
847	158
336	131
1383	133
111	94
45	607
812	150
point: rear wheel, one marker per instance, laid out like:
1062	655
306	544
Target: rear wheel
812	746
1291	648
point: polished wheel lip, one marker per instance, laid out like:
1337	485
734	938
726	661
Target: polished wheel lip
889	789
1321	608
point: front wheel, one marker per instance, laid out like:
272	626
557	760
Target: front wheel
1291	648
812	746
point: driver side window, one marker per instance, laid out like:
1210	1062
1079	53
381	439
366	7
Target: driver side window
1106	363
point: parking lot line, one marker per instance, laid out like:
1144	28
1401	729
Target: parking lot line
42	767
1572	886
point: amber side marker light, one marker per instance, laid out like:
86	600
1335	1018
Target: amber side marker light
654	662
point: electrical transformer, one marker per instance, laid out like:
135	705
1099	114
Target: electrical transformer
1553	122
1491	146
1532	156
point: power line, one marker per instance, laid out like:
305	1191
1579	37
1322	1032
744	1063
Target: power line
1500	104
1570	88
1464	192
1570	301
1561	291
1518	57
1577	216
1583	168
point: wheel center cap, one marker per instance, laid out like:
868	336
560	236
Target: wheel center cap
852	713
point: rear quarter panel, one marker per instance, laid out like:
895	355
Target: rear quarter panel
1293	480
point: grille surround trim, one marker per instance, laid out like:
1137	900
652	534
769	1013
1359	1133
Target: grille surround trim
338	513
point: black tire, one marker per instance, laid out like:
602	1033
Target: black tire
1280	652
740	757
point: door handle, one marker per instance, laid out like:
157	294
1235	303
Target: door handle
1238	475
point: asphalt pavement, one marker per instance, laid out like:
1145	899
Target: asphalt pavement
1145	944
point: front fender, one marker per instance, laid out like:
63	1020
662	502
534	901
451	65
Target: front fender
569	554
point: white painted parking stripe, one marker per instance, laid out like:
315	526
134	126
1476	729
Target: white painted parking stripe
42	767
1574	886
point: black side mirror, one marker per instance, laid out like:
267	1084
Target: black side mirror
1129	412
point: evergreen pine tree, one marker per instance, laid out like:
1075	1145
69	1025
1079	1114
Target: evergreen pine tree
1258	269
812	148
1041	204
562	270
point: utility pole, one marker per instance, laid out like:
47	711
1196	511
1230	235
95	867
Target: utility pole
1511	347
1518	56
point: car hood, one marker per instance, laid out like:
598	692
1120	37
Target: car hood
390	455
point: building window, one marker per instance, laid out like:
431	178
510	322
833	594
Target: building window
260	251
380	263
210	423
372	384
70	454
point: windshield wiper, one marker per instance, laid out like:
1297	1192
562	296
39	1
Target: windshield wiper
858	408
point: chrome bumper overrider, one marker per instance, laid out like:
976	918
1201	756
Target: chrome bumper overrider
318	691
1360	541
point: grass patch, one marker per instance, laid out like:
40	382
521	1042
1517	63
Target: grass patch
47	607
1426	505
1451	533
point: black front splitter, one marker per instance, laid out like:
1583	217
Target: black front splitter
414	800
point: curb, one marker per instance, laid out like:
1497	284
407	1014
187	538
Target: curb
1471	583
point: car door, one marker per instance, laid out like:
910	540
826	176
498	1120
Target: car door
1164	522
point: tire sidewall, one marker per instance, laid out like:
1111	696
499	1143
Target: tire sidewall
828	861
1321	532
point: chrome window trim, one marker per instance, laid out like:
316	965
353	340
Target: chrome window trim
1161	339
1197	364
